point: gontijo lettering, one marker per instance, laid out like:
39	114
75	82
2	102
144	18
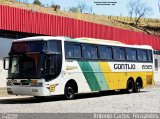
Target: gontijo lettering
124	66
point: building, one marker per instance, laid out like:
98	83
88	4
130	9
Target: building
17	23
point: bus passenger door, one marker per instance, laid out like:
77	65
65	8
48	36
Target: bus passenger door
53	66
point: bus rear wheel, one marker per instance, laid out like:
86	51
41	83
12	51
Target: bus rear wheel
130	86
137	86
69	91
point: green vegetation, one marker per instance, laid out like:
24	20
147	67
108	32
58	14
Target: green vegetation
37	2
55	7
74	9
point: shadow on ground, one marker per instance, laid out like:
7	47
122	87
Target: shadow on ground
30	100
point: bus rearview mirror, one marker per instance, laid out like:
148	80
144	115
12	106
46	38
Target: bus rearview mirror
6	63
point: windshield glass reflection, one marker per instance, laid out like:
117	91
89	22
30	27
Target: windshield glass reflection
26	66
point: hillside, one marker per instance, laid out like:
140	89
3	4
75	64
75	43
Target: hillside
149	26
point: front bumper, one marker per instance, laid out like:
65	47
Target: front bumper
31	91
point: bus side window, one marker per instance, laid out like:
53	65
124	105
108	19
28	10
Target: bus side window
109	52
77	51
149	55
90	52
142	55
131	54
54	46
86	52
69	50
118	53
73	50
105	53
94	54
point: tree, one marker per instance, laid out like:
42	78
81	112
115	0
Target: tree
37	2
90	9
130	7
55	7
74	9
138	9
82	6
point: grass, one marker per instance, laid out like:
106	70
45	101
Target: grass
147	25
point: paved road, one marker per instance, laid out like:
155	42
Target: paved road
148	100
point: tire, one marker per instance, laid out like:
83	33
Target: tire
137	86
130	86
69	91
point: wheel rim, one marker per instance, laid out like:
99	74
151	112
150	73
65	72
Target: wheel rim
69	92
138	86
130	86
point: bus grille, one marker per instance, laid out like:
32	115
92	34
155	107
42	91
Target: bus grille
22	83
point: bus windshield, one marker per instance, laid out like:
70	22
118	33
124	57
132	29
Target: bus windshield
28	66
28	59
23	47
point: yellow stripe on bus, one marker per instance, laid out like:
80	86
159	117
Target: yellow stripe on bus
118	80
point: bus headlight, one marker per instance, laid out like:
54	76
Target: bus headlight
9	83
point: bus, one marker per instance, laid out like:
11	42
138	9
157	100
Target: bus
43	66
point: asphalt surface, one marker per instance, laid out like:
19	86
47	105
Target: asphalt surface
146	101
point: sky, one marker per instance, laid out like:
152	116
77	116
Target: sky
119	9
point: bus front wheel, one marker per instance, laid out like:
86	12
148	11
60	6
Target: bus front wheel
69	91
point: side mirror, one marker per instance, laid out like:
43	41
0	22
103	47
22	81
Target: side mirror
6	63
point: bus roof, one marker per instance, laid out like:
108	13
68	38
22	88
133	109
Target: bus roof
98	40
38	38
83	40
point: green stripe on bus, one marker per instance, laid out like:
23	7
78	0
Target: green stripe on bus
89	75
99	75
71	39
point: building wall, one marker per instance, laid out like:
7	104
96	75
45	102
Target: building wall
3	75
5	45
157	70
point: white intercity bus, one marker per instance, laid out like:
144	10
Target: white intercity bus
43	66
